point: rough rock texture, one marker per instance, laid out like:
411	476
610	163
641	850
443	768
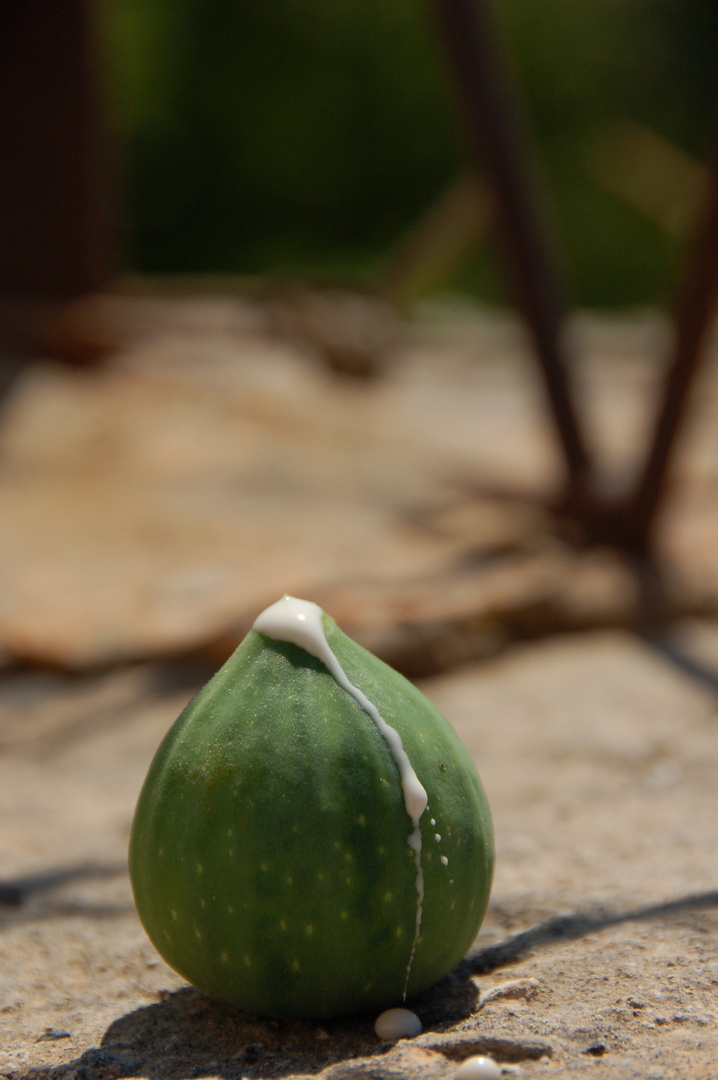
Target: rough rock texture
599	955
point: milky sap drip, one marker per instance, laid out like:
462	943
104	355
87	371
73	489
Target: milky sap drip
300	622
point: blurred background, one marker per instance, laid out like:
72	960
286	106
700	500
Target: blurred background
265	197
256	338
299	137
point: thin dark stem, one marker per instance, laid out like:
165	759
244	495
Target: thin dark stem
692	324
500	145
55	213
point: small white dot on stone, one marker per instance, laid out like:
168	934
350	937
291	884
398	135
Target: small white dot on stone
478	1068
397	1024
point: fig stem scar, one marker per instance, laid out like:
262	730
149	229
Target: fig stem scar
300	622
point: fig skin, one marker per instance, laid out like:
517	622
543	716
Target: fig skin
269	852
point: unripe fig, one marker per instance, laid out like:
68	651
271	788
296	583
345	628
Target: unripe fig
312	838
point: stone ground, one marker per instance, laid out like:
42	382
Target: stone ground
598	750
599	954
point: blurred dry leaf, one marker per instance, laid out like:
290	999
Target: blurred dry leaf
647	171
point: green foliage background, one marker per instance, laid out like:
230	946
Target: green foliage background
303	136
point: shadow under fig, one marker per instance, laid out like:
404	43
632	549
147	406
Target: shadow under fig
187	1035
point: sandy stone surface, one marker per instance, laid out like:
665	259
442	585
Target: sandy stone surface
151	506
148	506
599	954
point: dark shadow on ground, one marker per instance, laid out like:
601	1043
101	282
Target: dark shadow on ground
681	659
12	364
187	1035
570	927
36	897
15	892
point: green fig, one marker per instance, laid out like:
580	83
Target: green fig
312	839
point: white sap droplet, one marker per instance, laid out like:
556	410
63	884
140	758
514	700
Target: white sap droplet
433	821
301	623
478	1068
444	861
397	1024
437	837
